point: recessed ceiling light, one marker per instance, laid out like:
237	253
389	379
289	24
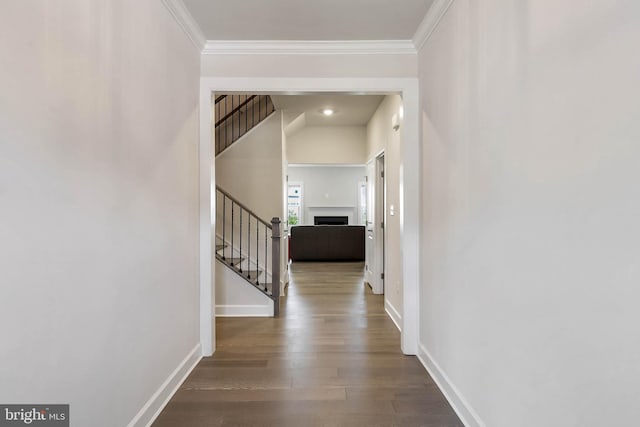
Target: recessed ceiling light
327	112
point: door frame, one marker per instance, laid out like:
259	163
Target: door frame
380	218
410	184
377	205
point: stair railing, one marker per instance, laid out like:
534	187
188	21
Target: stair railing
235	115
243	245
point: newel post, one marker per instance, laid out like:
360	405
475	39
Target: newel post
275	264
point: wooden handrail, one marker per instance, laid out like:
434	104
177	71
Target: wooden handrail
243	206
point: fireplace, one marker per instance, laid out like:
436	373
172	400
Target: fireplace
330	220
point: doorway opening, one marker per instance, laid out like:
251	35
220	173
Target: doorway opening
409	184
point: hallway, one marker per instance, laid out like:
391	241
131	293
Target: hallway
331	359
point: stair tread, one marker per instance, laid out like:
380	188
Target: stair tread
252	273
233	261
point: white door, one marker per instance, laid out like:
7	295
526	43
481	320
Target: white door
370	247
374	271
379	221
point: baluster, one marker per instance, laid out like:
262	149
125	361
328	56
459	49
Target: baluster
226	129
249	248
232	230
240	256
231	118
260	108
222	126
257	251
218	128
275	264
266	258
246	117
224	224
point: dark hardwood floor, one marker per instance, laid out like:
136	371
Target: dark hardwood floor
331	359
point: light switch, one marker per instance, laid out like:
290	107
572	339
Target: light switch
391	211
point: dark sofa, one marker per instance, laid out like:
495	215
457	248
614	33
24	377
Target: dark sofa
327	243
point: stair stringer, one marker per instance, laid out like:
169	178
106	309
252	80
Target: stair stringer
248	261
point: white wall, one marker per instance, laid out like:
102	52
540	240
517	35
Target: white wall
251	169
98	205
328	144
381	136
309	65
329	190
530	238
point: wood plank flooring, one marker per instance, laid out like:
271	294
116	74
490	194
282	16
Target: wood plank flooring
332	358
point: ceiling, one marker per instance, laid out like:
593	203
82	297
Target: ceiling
308	19
350	110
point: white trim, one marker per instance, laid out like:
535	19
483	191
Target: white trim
465	412
430	22
393	314
244	310
181	15
380	240
206	168
150	411
327	165
309	47
409	213
409	208
331	207
375	155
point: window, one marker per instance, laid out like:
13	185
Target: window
362	200
294	204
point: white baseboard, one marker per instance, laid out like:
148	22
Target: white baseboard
393	314
465	412
244	310
150	411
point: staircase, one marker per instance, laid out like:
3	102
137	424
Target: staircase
245	243
235	115
249	246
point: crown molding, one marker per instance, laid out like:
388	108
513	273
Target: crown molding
430	22
183	18
179	11
305	47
